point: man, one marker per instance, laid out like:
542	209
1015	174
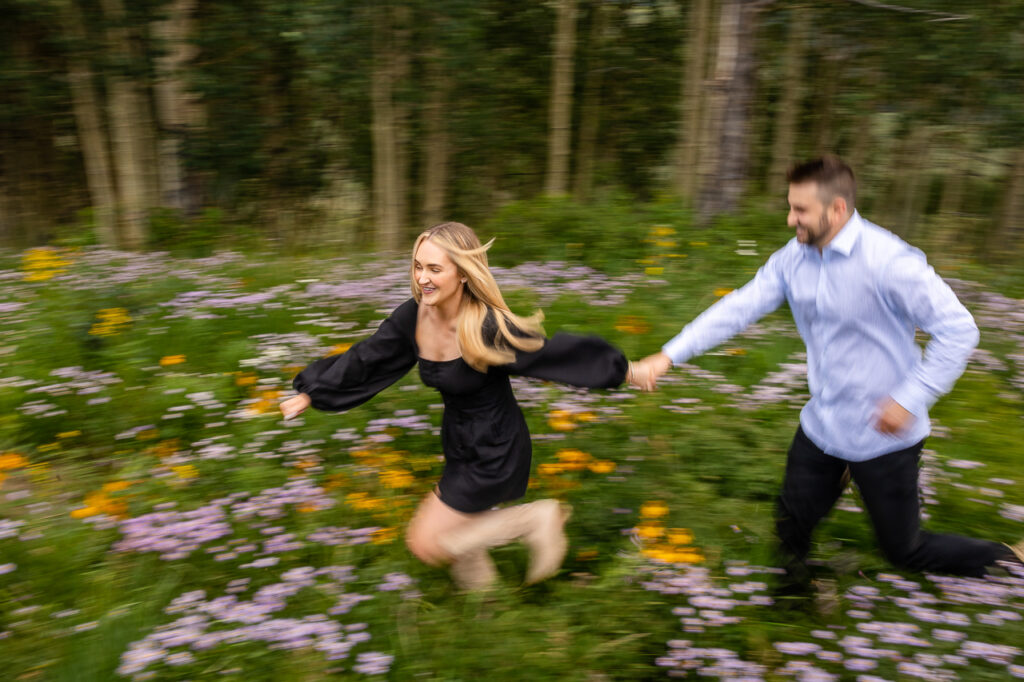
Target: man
857	293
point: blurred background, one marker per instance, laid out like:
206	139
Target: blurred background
354	124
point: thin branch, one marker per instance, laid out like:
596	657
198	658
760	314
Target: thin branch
943	16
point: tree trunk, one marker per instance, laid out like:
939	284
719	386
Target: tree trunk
734	84
388	183
401	55
560	107
1008	237
954	181
129	132
788	109
92	134
692	102
435	156
824	136
590	108
177	109
911	175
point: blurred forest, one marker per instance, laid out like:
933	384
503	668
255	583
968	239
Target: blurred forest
137	124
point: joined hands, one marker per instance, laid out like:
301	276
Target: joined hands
644	374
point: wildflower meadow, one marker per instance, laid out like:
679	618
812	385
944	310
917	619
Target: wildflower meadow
160	521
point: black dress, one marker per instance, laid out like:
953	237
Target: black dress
484	436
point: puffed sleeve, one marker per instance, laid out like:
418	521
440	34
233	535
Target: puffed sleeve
585	361
341	382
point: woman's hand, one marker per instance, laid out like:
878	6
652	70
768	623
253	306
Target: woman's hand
644	373
295	406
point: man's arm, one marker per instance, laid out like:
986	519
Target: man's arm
730	315
913	288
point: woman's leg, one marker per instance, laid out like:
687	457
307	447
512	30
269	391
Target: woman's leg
540	524
433	518
472	570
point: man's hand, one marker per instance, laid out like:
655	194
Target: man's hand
644	374
892	417
295	406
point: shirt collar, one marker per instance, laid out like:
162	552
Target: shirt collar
847	236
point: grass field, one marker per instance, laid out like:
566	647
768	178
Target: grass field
158	520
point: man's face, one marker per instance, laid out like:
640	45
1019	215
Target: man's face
811	218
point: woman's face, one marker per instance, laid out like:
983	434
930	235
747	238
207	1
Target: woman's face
436	275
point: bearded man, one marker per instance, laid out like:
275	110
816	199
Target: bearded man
857	293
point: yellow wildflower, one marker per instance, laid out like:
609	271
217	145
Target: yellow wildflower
698	243
549	468
165	448
662	231
735	351
12	460
680	536
111	322
632	324
653	510
561	420
363	501
168	360
384	536
649	530
185	471
684	557
246	379
602	466
40	264
722	291
395	478
99	503
147	434
658	553
115	486
69	434
48	447
338	349
573	460
654	271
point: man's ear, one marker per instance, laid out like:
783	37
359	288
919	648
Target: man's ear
839	206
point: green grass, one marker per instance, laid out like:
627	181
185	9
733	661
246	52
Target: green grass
202	432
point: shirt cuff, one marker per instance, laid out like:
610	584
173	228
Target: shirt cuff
677	350
913	397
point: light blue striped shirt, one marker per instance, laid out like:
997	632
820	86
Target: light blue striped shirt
856	305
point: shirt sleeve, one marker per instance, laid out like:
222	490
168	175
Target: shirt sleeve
732	314
913	288
585	361
341	382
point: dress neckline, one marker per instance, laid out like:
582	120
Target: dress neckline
436	362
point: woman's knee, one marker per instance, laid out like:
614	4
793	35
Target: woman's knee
423	545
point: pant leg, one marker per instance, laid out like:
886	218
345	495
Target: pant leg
889	489
810	487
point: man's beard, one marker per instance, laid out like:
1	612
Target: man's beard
824	227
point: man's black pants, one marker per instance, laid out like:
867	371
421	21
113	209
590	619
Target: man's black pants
888	489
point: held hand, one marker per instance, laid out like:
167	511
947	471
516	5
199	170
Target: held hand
295	406
892	418
639	376
644	374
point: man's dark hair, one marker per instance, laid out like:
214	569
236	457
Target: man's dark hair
833	176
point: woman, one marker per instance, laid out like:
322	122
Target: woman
467	343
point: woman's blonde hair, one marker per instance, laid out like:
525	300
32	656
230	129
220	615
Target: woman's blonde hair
481	295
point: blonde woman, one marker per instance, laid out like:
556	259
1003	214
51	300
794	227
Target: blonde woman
467	343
